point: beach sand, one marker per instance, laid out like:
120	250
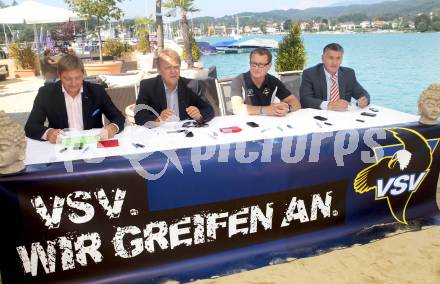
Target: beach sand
404	257
409	257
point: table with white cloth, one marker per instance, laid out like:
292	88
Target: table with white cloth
157	203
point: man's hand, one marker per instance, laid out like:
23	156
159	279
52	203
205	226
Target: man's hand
362	102
166	114
339	105
52	135
109	131
277	109
295	105
194	113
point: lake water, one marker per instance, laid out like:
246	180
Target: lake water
393	67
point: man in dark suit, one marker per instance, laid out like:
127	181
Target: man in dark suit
167	96
72	103
330	86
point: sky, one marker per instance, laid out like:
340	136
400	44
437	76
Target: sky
135	8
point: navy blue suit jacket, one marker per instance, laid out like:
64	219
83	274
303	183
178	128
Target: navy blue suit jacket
50	104
313	89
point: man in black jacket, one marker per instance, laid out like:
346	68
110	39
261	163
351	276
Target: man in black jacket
167	96
330	86
72	103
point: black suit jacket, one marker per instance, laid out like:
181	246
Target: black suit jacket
152	94
313	89
50	104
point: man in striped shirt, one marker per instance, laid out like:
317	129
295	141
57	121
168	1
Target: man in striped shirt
328	85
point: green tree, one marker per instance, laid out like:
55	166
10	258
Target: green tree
102	10
287	24
436	25
185	6
263	28
291	52
422	27
422	23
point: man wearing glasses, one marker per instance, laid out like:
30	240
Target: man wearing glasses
254	92
167	96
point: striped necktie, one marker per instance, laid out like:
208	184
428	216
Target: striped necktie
334	90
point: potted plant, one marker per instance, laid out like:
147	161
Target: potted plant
291	59
195	51
103	11
25	60
120	51
291	53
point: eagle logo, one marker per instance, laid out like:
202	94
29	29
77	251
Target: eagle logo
400	173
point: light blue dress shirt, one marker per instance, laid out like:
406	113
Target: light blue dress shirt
172	100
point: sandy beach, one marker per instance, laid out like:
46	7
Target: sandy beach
403	257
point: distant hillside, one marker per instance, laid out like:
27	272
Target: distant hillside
387	10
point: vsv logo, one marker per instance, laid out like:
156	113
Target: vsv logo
398	185
400	173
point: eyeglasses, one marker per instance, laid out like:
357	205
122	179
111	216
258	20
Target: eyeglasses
259	65
193	123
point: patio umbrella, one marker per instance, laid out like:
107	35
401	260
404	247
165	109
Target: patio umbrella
33	12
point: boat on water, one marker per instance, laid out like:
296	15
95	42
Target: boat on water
206	48
244	46
225	46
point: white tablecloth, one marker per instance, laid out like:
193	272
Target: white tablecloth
158	139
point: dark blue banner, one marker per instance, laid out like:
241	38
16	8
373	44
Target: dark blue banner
195	212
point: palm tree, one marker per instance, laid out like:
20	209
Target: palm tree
185	6
142	25
159	25
142	30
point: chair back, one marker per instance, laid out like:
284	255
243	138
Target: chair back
292	81
224	96
122	97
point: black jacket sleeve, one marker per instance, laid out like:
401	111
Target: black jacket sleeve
306	91
206	110
34	127
143	110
